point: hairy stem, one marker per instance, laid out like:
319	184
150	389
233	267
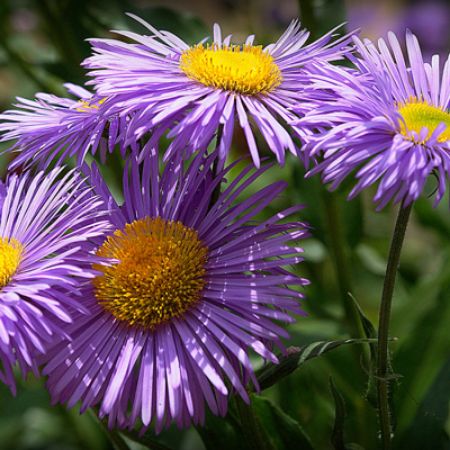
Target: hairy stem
383	364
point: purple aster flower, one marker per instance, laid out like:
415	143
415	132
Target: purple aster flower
51	127
390	122
193	91
46	223
191	286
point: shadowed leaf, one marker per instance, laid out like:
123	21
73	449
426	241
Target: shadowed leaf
296	356
145	440
282	430
371	333
427	430
219	433
337	436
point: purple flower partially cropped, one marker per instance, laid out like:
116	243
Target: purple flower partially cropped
192	285
52	128
46	224
194	91
389	122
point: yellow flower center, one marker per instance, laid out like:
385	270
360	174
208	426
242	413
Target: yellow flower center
85	106
10	257
247	69
418	114
159	274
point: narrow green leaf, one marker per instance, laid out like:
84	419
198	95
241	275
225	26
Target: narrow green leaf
421	353
369	328
254	433
282	430
144	440
114	436
427	430
337	436
296	356
117	440
371	333
219	433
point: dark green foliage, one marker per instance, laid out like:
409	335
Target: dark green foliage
283	432
296	409
337	435
427	430
273	373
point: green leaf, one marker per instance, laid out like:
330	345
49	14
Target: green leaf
254	433
144	440
420	355
337	436
221	433
371	333
296	356
115	438
368	327
427	430
282	430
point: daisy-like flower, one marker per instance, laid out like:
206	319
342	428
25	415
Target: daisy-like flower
194	91
46	225
191	286
390	122
52	127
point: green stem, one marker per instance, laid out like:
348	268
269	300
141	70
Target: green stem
338	245
383	369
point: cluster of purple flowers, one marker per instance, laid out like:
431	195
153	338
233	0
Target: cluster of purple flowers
147	309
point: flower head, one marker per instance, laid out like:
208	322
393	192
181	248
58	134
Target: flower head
191	285
390	121
46	225
52	127
193	91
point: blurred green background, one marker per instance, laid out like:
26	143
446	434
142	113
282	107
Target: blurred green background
42	43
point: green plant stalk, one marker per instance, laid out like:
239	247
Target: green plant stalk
337	244
383	364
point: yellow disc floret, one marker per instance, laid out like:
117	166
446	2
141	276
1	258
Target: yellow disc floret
10	257
247	69
159	273
417	115
86	106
